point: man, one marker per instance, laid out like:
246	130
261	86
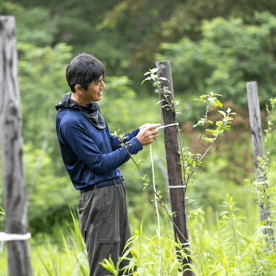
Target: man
92	156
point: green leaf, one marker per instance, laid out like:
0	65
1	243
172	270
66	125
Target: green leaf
166	90
155	84
162	78
222	112
148	78
154	70
201	100
218	103
217	95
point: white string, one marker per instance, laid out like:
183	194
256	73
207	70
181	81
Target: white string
156	207
176	124
12	237
155	196
180	186
260	182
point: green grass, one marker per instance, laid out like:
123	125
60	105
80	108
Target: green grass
228	246
229	243
62	254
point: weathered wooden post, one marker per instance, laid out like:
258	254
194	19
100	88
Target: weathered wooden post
176	186
257	142
11	144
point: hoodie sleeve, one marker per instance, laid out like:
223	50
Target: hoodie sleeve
116	142
75	135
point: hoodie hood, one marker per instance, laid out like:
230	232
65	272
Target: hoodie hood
91	112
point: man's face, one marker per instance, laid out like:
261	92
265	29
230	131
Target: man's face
95	90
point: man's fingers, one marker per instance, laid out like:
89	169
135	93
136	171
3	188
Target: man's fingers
144	126
148	133
154	131
149	126
153	126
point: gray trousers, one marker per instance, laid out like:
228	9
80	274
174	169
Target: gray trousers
104	225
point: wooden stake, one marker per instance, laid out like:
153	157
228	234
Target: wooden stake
257	142
11	144
177	195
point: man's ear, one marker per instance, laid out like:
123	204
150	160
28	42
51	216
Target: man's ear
78	89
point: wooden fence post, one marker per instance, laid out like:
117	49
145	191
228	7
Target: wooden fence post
11	143
257	142
177	195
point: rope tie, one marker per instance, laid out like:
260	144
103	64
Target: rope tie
260	182
12	237
176	124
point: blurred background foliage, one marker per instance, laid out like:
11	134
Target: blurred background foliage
212	45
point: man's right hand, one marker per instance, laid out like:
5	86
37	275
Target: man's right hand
148	134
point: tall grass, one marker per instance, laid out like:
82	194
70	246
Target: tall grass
60	255
232	244
227	247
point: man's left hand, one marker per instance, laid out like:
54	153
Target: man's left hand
145	126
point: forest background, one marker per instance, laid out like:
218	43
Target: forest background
212	45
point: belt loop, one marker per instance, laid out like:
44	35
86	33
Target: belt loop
114	182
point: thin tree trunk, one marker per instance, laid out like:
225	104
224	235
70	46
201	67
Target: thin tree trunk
257	143
11	143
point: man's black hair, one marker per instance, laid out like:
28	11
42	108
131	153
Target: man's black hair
83	69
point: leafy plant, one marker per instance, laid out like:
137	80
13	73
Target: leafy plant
164	90
221	126
189	161
148	258
230	221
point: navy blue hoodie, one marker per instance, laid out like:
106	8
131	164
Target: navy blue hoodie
91	154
